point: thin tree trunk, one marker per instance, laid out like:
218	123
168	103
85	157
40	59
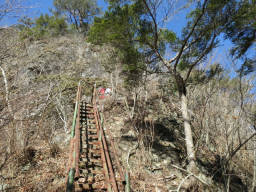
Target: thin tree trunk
228	183
6	90
207	134
188	134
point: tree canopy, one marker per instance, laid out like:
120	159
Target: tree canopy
138	25
42	26
125	26
241	30
78	12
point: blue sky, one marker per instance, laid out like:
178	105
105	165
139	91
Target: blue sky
36	7
177	22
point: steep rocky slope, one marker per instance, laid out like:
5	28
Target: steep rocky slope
146	123
42	78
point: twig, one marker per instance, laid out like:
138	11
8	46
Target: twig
168	177
184	181
129	154
204	182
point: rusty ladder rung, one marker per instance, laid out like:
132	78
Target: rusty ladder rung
95	169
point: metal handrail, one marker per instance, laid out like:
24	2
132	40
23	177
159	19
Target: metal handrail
104	144
74	144
113	180
73	165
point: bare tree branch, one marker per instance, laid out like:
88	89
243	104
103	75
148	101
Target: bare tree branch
9	7
189	35
200	57
155	24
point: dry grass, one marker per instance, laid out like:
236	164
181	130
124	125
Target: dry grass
38	168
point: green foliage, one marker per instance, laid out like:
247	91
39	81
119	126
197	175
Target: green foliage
78	12
120	27
206	22
247	67
125	26
25	22
198	76
43	26
241	30
167	35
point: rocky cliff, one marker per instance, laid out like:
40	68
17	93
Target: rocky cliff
41	77
38	82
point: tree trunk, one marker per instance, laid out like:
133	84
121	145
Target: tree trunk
188	134
6	90
80	24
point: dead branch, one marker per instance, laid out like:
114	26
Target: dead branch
197	177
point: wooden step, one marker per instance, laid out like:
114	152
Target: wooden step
94	155
93	136
91	179
95	186
96	160
92	130
91	124
91	120
92	170
94	143
91	160
84	165
96	171
87	147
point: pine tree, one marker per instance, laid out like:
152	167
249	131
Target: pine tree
143	31
124	27
241	30
43	26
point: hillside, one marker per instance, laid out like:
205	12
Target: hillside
145	121
42	79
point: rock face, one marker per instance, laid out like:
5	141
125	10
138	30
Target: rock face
42	79
72	56
39	66
34	135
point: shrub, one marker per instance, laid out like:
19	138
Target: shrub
44	26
